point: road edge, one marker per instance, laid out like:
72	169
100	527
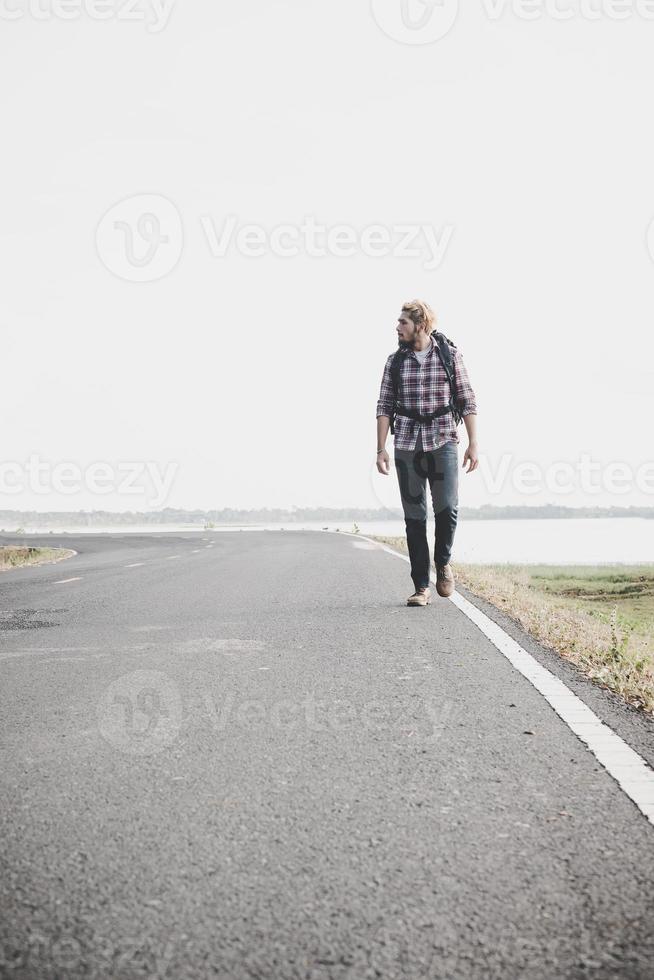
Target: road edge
629	769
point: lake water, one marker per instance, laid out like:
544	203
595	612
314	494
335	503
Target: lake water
567	541
589	541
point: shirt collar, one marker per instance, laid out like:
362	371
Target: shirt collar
431	341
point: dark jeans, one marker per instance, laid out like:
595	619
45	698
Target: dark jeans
441	468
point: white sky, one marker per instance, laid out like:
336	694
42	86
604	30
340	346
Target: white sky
256	378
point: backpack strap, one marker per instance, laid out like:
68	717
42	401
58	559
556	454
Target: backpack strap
445	346
396	367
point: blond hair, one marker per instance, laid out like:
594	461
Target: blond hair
421	314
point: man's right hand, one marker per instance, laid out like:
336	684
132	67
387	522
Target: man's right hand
383	463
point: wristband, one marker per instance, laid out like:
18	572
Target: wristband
380	451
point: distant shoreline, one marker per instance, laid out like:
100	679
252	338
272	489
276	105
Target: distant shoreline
10	520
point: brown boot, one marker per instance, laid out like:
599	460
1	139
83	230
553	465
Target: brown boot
444	580
421	597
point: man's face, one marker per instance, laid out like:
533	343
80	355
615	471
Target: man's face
406	329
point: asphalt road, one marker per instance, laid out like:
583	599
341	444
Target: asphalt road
245	757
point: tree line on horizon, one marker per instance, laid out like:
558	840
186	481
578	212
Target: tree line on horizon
232	515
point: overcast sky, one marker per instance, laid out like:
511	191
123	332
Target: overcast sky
145	325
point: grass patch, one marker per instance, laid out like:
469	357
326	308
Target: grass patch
599	617
13	557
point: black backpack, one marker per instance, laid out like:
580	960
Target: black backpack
444	346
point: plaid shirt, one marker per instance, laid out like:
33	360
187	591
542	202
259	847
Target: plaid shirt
426	388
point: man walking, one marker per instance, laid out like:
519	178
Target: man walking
431	393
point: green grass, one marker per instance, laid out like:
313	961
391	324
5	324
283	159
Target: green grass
599	617
601	590
14	556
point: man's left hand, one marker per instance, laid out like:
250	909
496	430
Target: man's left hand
471	457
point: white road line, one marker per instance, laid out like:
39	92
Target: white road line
53	650
170	557
39	651
629	769
62	580
135	648
135	564
196	551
